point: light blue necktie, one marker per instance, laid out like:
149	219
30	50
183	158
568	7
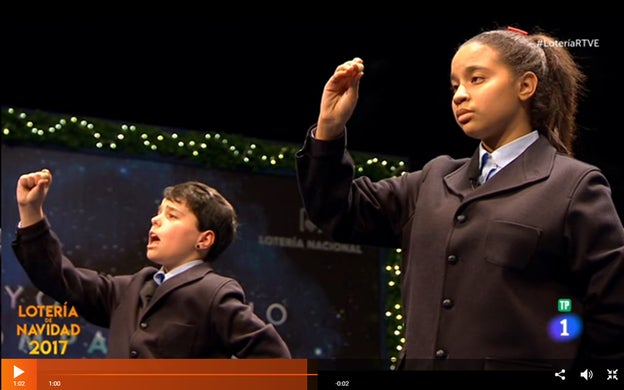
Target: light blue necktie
487	165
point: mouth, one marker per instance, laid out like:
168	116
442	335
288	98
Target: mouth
152	240
463	115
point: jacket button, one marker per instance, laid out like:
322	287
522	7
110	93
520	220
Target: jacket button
447	303
143	325
134	354
461	218
440	354
452	259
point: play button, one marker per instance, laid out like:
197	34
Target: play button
18	374
17	371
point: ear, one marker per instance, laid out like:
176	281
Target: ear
527	84
206	239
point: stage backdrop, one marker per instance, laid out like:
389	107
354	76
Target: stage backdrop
326	299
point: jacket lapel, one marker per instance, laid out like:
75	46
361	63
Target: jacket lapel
534	164
186	277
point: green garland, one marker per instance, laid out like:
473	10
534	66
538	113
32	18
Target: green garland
206	149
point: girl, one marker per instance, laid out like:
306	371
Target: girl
492	242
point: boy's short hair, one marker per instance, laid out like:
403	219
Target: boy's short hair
212	210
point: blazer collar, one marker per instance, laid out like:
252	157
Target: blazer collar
188	276
534	164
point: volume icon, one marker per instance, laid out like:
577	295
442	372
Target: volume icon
587	374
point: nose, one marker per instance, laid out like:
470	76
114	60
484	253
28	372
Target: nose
155	219
460	95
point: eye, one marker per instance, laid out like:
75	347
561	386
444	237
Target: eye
171	216
454	88
477	79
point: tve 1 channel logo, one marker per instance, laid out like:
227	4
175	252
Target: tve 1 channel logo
566	326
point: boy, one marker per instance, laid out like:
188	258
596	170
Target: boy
183	310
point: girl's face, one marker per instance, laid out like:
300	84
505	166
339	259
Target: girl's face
173	236
487	97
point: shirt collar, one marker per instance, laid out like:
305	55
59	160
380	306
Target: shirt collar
161	276
509	152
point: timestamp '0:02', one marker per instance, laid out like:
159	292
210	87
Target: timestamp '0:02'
47	347
342	383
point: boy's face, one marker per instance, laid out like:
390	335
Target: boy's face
173	235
